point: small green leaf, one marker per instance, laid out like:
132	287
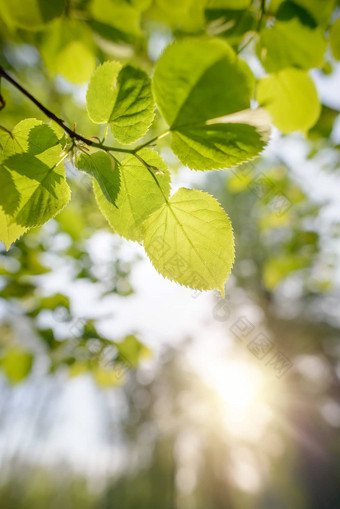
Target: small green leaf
107	377
10	231
122	98
133	111
32	182
123	17
31	145
190	240
291	44
18	142
291	98
102	92
76	62
16	364
319	9
40	184
131	351
105	170
30	14
139	194
197	82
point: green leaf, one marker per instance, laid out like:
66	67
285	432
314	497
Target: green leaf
30	14
102	92
133	111
119	14
324	126
184	16
29	136
9	229
319	9
18	141
334	39
199	79
139	194
67	48
196	83
104	169
291	44
131	351
223	142
76	62
40	184
190	240
107	377
123	98
32	182
16	364
291	98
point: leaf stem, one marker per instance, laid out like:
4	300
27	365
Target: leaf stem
158	137
105	132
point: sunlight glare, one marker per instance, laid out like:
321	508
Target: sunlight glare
240	387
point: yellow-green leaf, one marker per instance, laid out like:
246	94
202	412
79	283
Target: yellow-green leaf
291	98
190	240
139	194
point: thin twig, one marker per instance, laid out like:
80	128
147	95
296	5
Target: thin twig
72	134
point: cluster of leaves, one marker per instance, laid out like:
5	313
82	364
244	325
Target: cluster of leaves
54	332
190	228
203	91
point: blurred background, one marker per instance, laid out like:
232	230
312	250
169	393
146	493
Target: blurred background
119	389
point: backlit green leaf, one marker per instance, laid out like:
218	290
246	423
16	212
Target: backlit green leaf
131	351
196	83
291	44
76	62
30	14
118	14
16	364
105	170
29	136
133	111
122	98
9	229
319	9
223	142
19	142
139	194
102	92
190	240
32	182
291	98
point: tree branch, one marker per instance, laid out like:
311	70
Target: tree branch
72	134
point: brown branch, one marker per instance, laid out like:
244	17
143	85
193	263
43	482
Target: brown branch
72	134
